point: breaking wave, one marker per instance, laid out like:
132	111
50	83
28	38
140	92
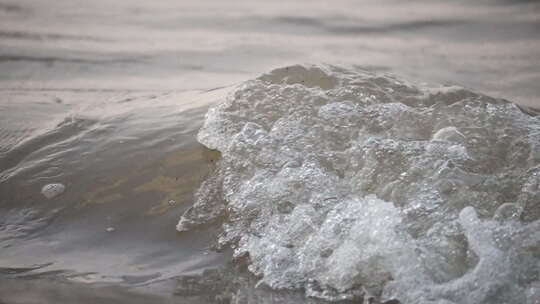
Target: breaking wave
351	184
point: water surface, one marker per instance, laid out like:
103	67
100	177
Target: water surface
106	98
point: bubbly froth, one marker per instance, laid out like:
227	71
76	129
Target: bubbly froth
347	183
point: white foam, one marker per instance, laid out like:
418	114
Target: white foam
337	181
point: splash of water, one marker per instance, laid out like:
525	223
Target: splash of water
337	180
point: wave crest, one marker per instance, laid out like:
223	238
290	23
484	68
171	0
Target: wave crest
338	180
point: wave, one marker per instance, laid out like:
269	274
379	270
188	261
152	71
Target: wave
351	184
13	154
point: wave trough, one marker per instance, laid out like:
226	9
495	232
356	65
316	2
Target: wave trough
347	184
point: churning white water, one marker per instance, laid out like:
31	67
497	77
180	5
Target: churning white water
345	182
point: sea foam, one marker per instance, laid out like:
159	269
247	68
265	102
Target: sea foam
347	183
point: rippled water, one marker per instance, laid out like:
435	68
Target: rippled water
107	98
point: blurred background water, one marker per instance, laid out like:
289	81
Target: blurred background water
106	97
489	45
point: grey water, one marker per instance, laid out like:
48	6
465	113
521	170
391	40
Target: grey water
107	97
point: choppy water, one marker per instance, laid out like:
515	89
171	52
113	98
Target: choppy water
107	98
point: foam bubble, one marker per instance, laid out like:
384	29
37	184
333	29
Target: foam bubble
52	190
